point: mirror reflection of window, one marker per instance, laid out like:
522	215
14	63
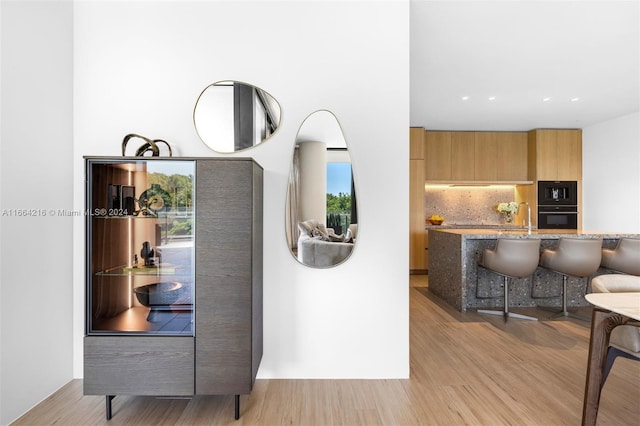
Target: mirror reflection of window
231	116
339	190
321	219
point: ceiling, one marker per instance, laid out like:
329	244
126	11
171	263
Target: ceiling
582	56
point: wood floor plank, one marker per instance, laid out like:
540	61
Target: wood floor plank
466	369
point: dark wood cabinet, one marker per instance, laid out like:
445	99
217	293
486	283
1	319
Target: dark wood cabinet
194	224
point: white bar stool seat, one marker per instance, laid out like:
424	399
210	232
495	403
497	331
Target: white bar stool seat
625	258
573	257
512	258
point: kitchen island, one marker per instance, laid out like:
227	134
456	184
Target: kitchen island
455	277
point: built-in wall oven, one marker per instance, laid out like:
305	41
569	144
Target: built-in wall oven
557	204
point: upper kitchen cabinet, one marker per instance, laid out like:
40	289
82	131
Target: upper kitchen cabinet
437	156
556	154
463	154
417	137
511	159
476	157
486	152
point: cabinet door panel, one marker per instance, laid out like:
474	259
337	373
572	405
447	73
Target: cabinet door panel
224	249
462	156
417	137
486	150
569	149
437	156
547	154
511	160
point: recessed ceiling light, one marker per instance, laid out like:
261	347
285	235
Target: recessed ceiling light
492	98
547	99
575	99
465	98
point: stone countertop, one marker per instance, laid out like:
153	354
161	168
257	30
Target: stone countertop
484	233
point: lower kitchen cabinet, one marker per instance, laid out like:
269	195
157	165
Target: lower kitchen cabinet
173	276
417	260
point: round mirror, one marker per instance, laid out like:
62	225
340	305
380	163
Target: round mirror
321	211
231	116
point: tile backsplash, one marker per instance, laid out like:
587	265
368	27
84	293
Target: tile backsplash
467	205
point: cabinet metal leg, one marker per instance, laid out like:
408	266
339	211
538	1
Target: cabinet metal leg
108	399
237	416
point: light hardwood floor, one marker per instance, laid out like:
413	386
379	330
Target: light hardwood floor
465	369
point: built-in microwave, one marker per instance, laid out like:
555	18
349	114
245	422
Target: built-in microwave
554	193
557	217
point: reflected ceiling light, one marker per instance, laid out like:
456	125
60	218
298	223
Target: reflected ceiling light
465	98
492	98
547	99
575	99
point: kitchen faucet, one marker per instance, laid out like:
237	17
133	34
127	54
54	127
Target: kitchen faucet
528	215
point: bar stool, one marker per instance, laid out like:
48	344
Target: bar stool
512	258
624	258
573	257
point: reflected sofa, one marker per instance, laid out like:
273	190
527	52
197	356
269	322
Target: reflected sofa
320	247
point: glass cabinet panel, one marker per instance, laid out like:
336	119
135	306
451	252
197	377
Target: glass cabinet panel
140	246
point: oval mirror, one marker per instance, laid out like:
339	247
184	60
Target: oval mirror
321	211
231	116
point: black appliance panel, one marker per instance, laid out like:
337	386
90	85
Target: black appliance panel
557	217
553	193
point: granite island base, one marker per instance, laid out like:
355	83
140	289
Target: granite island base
455	277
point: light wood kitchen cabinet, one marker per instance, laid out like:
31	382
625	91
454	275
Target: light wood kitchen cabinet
554	154
437	156
569	145
462	156
557	153
546	155
476	156
417	260
486	153
417	137
511	160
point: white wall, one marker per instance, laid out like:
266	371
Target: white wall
35	173
140	66
611	168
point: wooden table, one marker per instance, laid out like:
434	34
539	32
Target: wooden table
612	310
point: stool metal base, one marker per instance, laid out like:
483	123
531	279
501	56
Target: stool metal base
507	314
564	312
